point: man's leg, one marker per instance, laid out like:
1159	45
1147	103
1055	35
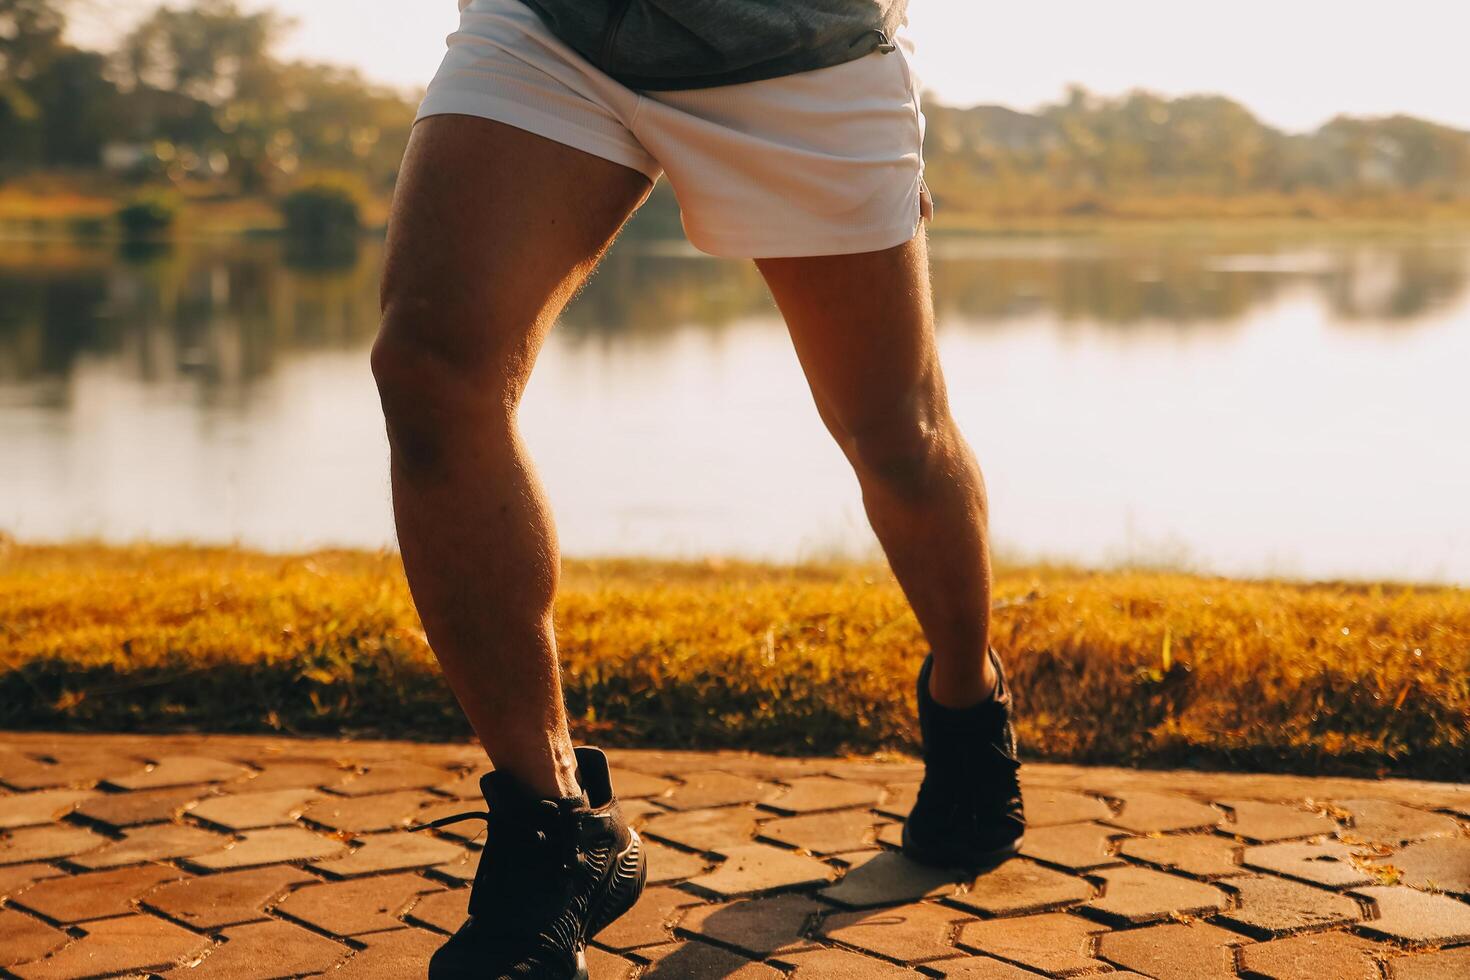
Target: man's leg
493	229
863	327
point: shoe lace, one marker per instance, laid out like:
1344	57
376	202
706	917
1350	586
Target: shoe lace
970	783
571	856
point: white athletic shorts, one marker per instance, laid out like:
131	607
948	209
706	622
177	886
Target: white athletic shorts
824	162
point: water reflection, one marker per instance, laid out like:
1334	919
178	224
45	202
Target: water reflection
208	355
225	313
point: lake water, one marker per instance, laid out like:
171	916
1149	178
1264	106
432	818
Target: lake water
1291	407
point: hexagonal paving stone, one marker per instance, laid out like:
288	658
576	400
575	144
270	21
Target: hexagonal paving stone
379	811
898	799
43	807
811	794
259	950
638	812
1049	807
466	786
14	877
888	878
250	811
23	938
77	898
228	899
1200	855
631	785
386	777
1441	864
129	944
891	834
609	966
398	953
1176	951
1138	896
648	923
850	859
287	775
24	772
666	864
152	842
1157	813
758	926
46	843
822	833
911	933
683	961
121	810
1077	846
1327	863
347	908
273	845
840	964
987	968
1339	955
1449	964
1394	823
444	911
1277	907
178	770
1415	917
706	830
390	852
1018	887
754	868
459	870
1055	943
708	789
1266	822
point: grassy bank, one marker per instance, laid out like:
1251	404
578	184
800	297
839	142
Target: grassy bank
59	205
1121	667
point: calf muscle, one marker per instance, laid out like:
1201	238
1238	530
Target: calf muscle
493	229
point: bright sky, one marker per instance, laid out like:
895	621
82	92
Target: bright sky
1296	63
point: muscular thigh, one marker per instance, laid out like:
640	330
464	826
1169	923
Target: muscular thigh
492	230
863	329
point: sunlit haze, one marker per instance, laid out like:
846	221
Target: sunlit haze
1296	64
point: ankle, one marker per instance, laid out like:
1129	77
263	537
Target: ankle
568	785
549	773
965	687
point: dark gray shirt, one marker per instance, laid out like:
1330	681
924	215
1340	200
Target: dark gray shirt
680	44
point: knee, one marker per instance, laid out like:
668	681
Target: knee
902	447
431	402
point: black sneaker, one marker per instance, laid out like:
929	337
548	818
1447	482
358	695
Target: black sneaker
553	874
968	813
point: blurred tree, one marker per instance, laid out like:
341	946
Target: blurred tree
56	104
219	56
30	40
212	51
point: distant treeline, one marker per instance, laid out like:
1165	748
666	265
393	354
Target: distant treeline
197	93
1093	154
192	93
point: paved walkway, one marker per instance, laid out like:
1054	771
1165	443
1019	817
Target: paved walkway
248	858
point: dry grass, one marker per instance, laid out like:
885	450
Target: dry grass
1144	667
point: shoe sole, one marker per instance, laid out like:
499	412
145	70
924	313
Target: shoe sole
955	857
622	889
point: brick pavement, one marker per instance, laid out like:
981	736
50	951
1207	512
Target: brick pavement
244	858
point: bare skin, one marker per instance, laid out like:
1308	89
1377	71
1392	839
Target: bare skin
863	328
493	230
